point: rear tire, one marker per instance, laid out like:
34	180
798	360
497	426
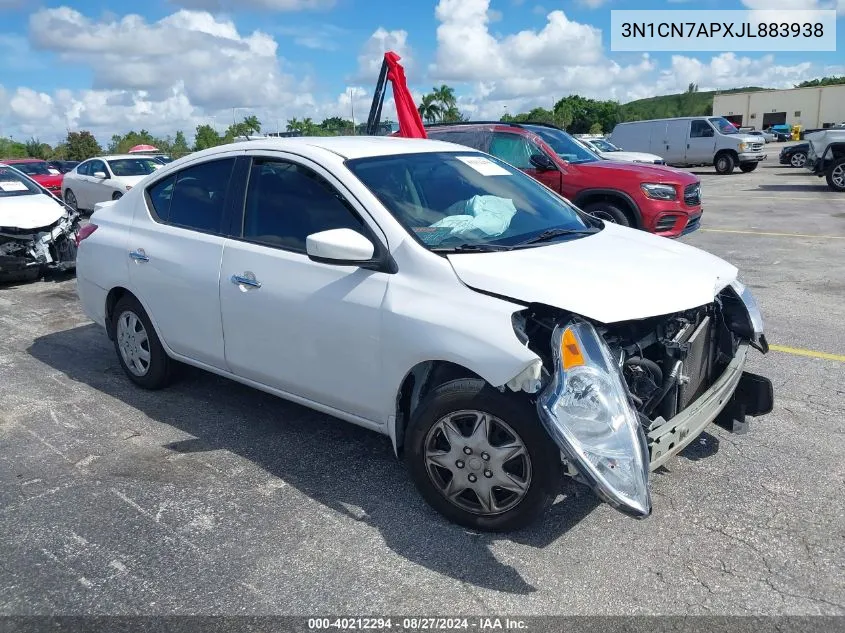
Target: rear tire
746	168
138	347
533	475
836	175
116	195
724	164
608	212
70	199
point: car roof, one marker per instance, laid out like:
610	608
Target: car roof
117	156
13	161
349	147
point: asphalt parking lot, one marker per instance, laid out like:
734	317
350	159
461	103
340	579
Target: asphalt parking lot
212	498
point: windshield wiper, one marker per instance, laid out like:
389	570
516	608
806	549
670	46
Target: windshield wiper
549	234
469	248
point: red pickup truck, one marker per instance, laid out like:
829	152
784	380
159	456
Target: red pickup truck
653	198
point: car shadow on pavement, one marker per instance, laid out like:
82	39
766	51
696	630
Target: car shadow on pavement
814	187
348	469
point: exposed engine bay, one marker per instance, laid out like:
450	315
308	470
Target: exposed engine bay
667	361
36	249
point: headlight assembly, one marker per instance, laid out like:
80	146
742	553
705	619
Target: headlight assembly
657	191
755	318
586	410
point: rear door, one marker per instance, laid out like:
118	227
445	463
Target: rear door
675	137
175	251
701	145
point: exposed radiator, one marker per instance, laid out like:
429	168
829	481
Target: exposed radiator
698	365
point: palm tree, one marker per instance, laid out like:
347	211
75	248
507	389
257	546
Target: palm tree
445	96
294	125
428	108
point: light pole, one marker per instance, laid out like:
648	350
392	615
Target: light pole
352	105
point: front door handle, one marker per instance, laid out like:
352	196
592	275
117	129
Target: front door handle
247	279
139	255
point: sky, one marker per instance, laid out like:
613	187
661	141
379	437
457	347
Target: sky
166	65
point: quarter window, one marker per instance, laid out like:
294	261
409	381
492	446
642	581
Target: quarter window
287	202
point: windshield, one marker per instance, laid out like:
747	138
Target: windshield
564	145
605	146
450	200
14	183
723	125
133	166
33	169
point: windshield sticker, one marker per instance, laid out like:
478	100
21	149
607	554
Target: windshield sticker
432	235
12	185
483	166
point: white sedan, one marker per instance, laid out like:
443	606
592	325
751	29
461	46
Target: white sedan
498	336
609	151
105	178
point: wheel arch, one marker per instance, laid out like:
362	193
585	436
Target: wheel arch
116	294
589	196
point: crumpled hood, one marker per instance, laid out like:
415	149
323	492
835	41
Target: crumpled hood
30	212
616	275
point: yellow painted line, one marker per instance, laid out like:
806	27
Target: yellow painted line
807	352
829	199
825	237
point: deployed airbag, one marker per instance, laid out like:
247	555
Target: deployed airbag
489	214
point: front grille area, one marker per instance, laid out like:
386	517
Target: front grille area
692	195
756	147
693	224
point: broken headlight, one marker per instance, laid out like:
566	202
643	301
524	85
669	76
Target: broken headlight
754	324
587	412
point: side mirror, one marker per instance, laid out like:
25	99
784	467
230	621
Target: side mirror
101	175
341	247
542	162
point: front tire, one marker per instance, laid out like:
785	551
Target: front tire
746	168
138	347
836	175
481	457
798	159
608	212
724	164
70	199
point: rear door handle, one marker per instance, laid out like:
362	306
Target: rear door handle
139	255
247	279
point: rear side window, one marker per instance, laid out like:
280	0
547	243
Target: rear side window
287	202
476	139
195	197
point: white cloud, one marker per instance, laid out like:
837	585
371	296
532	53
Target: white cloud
267	5
775	5
324	37
371	56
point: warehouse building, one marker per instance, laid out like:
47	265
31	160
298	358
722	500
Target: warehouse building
811	108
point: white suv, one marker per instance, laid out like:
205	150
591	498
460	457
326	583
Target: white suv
499	336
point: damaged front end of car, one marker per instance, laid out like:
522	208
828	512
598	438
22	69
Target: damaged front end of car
31	251
620	399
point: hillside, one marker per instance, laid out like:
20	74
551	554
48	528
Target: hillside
684	104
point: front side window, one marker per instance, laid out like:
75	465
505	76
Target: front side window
97	166
133	166
464	200
513	149
195	197
700	129
13	183
605	146
287	202
84	169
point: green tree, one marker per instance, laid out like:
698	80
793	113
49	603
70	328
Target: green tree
180	145
823	81
596	128
206	136
429	108
445	97
37	149
81	145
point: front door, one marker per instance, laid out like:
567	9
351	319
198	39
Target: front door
175	250
306	328
517	150
701	146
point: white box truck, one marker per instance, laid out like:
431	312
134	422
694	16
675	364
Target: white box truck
689	141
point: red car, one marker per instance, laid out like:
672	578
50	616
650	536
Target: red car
653	198
40	172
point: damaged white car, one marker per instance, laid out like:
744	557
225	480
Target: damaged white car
37	230
499	336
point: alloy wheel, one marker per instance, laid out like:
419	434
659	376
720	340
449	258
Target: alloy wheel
798	160
133	343
70	198
838	176
477	462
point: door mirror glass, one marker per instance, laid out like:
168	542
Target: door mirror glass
342	247
100	174
542	162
